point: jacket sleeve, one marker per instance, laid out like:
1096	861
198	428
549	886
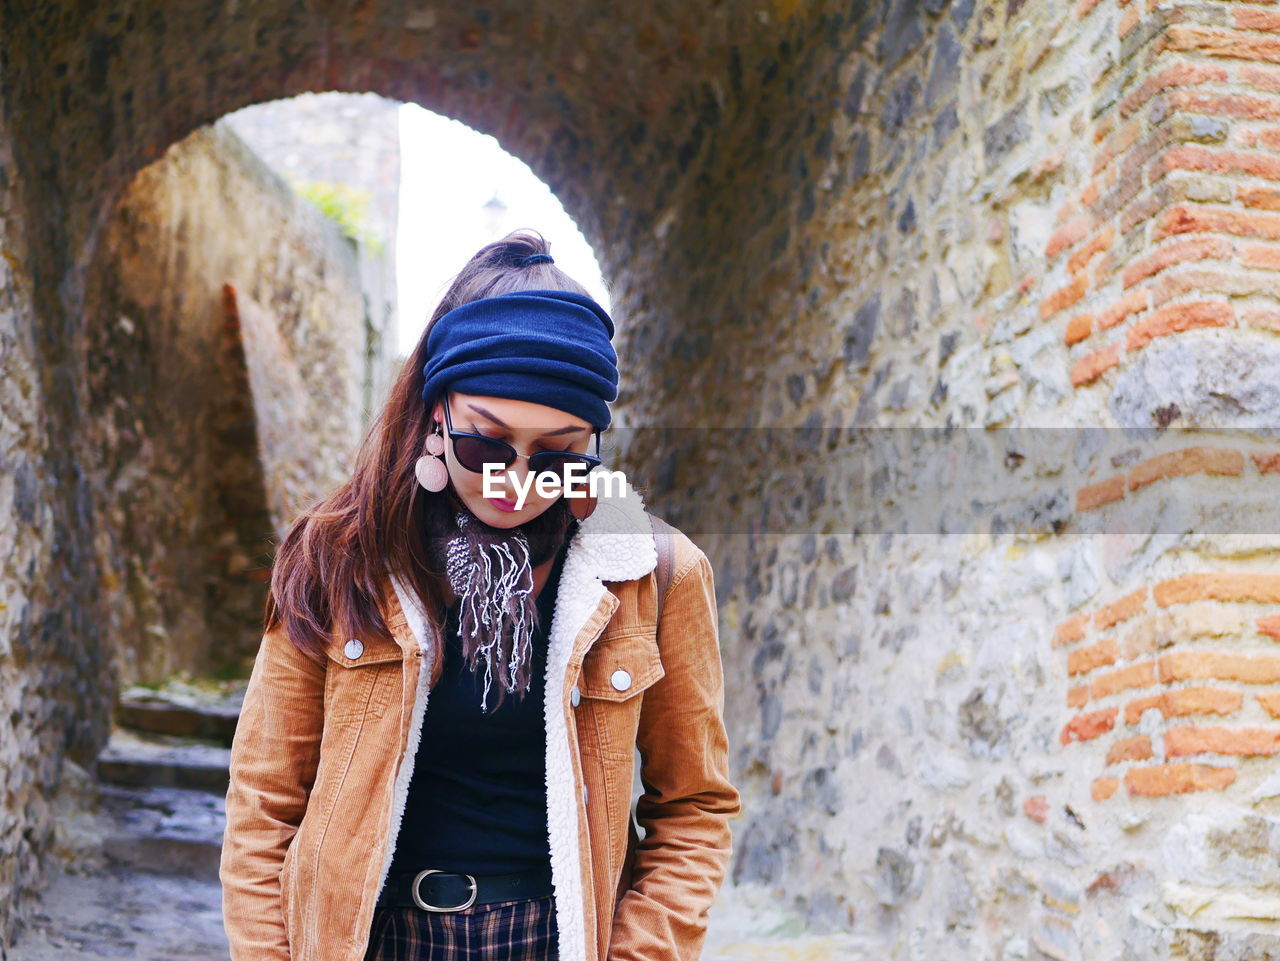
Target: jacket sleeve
687	801
274	756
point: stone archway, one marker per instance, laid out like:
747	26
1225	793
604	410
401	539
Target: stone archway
967	213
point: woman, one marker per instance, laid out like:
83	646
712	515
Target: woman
495	823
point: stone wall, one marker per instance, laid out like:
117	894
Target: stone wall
220	387
49	661
352	140
191	492
1043	725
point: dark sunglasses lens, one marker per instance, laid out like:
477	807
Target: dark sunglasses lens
474	452
557	465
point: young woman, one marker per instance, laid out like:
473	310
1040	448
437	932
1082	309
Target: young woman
435	755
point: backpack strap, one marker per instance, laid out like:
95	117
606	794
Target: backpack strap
665	542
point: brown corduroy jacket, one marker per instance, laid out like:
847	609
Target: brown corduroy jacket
322	757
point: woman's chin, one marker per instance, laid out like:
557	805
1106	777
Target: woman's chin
503	515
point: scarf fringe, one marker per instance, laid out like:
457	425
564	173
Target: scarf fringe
494	585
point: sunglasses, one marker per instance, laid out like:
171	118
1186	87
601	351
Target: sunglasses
474	451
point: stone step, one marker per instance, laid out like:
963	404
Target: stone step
168	830
121	913
133	759
211	722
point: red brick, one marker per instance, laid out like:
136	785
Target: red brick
1159	139
1128	186
1219	665
1262	77
1117	143
1259	318
1220	104
1216	42
1195	157
1130	19
1103	787
1070	630
1175	318
1068	235
1130	749
1120	610
1096	244
1264	256
1189	460
1251	18
1270	703
1189	280
1085	659
1103	492
1091	366
1103	127
1139	213
1084	727
1178	252
1270	626
1078	328
1259	198
1064	297
1184	701
1267	463
1078	696
1036	808
1142	674
1180	75
1180	219
1160	780
1132	302
1219	586
1181	741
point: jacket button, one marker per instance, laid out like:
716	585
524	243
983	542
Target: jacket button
575	696
620	679
353	649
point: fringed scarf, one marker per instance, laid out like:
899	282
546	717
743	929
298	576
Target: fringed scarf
491	572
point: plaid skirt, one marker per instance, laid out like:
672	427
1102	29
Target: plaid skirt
501	931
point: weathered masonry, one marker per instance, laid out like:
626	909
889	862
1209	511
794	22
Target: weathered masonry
1042	722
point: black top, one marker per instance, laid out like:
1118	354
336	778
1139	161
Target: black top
477	798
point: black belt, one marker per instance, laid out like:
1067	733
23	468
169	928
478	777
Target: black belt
453	891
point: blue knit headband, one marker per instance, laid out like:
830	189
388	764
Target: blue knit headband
549	347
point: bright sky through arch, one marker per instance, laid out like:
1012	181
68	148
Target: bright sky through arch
459	190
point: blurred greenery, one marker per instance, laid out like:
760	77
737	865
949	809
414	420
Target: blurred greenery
345	205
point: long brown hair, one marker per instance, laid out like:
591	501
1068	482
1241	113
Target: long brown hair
328	567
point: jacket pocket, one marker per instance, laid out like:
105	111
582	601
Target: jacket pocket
614	673
364	685
619	668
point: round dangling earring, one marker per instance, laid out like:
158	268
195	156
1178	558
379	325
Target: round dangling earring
430	468
583	507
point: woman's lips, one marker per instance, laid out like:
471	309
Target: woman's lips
504	505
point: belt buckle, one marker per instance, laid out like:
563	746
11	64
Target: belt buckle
417	898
